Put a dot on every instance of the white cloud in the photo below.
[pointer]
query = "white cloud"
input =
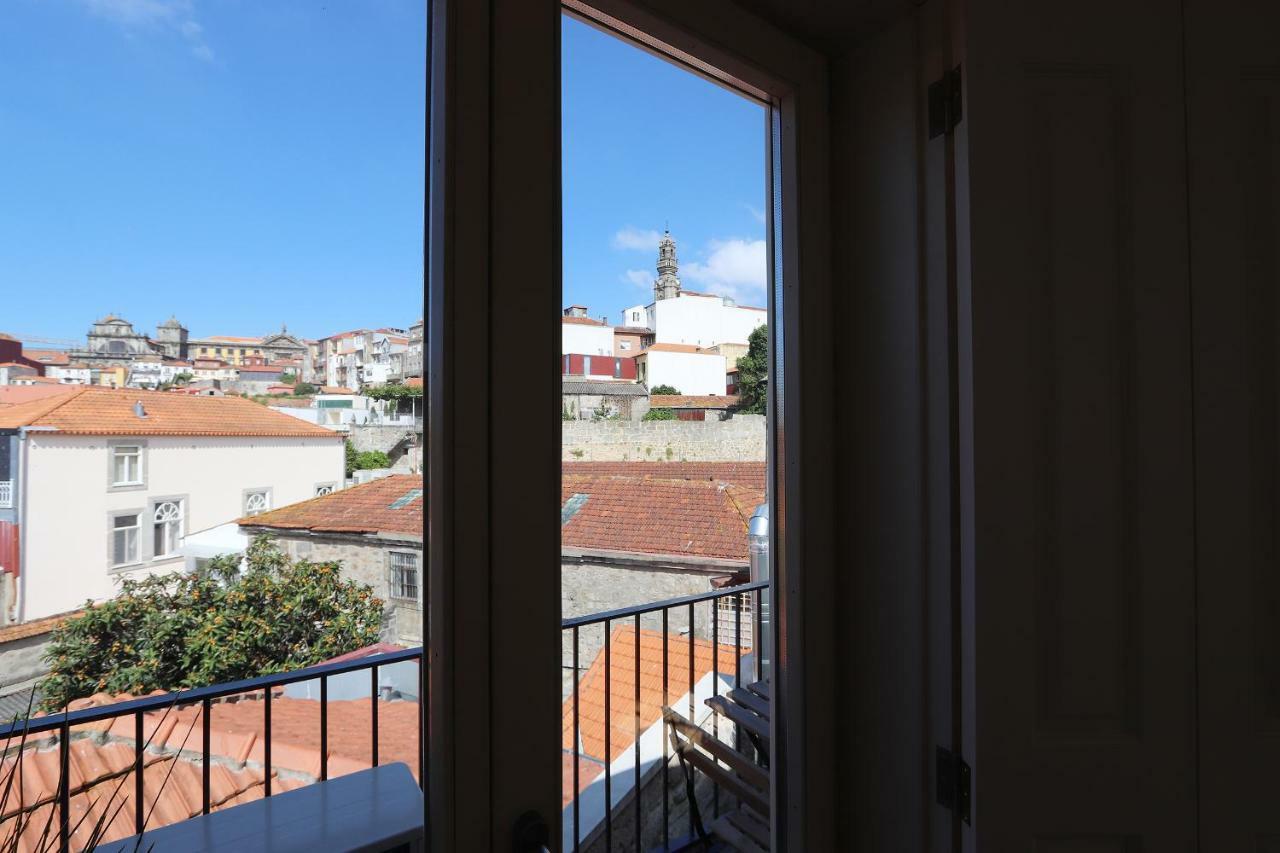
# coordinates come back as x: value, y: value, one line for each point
x: 176, y: 16
x: 642, y: 279
x: 635, y: 239
x: 756, y: 213
x: 735, y: 267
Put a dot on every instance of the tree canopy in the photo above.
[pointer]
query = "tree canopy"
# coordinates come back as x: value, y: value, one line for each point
x: 664, y: 389
x: 393, y: 391
x: 753, y: 373
x: 217, y: 624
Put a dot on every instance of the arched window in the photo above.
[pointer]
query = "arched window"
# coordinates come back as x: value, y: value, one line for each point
x: 116, y: 346
x: 167, y: 529
x: 256, y: 502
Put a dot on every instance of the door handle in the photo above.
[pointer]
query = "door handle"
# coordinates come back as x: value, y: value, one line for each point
x: 531, y: 834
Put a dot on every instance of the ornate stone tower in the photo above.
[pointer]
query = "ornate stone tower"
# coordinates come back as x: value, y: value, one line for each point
x: 667, y: 285
x: 172, y: 337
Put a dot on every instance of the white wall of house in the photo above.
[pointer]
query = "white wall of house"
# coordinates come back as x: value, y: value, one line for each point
x: 70, y: 375
x: 587, y: 340
x: 703, y: 321
x: 70, y: 504
x: 688, y: 372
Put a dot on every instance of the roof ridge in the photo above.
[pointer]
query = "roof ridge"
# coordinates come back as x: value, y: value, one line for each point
x: 56, y: 402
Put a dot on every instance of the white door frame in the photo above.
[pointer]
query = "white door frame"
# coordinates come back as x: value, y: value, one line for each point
x: 493, y: 494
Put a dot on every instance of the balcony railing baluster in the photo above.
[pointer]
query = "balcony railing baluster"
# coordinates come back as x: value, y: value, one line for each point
x: 205, y: 708
x: 373, y: 712
x: 138, y: 791
x: 639, y: 830
x: 266, y: 742
x: 666, y: 700
x: 324, y: 728
x: 577, y: 837
x: 608, y: 750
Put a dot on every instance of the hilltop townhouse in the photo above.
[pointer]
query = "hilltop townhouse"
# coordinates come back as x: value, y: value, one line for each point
x: 374, y: 530
x: 98, y: 484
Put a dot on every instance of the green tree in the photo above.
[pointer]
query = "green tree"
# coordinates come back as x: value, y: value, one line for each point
x: 659, y: 415
x: 220, y: 623
x: 372, y: 459
x: 183, y: 378
x: 393, y: 391
x: 753, y: 372
x: 303, y: 389
x: 664, y: 389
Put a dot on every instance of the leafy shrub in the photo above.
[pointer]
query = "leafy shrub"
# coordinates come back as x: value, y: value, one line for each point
x: 176, y: 631
x: 303, y: 389
x: 659, y: 415
x: 372, y: 459
x: 664, y: 389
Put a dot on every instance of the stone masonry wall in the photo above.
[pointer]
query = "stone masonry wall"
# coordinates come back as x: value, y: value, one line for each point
x: 738, y: 439
x: 589, y: 588
x: 367, y: 563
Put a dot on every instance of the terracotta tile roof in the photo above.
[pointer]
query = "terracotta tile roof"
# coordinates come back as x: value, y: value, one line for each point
x: 749, y: 475
x: 229, y: 339
x: 89, y: 410
x: 34, y: 628
x: 622, y: 686
x: 582, y: 321
x: 11, y: 395
x: 46, y: 356
x: 17, y: 364
x: 388, y: 505
x: 692, y: 401
x: 661, y: 347
x: 632, y: 330
x: 645, y: 515
x: 335, y: 389
x: 414, y: 382
x: 102, y: 755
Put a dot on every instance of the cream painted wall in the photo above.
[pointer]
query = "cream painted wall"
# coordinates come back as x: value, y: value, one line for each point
x: 587, y: 340
x: 689, y: 372
x: 65, y: 559
x: 703, y: 321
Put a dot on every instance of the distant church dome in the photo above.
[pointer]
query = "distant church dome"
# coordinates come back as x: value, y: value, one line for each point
x: 171, y: 323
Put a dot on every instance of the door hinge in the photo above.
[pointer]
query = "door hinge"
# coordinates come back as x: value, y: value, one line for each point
x: 945, y: 104
x: 953, y: 783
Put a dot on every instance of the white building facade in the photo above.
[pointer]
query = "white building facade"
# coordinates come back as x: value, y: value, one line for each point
x: 682, y: 367
x: 97, y: 497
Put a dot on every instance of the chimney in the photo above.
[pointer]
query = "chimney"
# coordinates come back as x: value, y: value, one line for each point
x: 138, y: 411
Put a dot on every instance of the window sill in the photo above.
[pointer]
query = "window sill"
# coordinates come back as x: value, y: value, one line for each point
x: 125, y: 567
x: 126, y: 487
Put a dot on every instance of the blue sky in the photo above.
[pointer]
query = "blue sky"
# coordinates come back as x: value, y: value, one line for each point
x: 242, y: 163
x: 647, y: 143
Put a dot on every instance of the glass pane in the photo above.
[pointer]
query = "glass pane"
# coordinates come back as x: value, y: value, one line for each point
x: 664, y: 453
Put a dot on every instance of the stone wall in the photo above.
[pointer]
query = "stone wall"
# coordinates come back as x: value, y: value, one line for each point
x: 367, y: 563
x: 587, y: 588
x: 738, y: 439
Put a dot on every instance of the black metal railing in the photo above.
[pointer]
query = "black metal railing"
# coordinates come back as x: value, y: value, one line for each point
x: 741, y: 606
x: 62, y: 723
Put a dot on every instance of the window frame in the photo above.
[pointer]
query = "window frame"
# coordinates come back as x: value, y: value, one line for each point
x: 316, y: 489
x: 184, y: 515
x: 392, y: 568
x: 245, y: 494
x: 138, y: 560
x: 113, y: 445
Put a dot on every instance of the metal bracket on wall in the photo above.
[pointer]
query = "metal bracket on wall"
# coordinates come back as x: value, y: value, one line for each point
x: 953, y: 779
x: 945, y: 103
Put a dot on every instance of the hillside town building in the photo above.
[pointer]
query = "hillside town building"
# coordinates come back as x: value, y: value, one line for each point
x: 131, y: 472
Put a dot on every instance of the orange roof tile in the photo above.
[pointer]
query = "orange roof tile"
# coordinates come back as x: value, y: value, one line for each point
x: 645, y: 515
x: 102, y: 756
x: 89, y: 410
x: 662, y: 347
x: 750, y: 475
x: 46, y: 356
x: 11, y: 395
x: 692, y: 401
x: 414, y: 382
x: 232, y: 339
x: 622, y: 686
x: 387, y: 505
x: 582, y: 321
x: 335, y: 389
x: 34, y: 628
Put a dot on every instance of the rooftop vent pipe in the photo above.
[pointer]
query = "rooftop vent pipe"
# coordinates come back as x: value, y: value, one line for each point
x: 138, y: 411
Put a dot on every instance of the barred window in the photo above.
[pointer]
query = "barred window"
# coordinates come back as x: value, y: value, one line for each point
x: 404, y: 575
